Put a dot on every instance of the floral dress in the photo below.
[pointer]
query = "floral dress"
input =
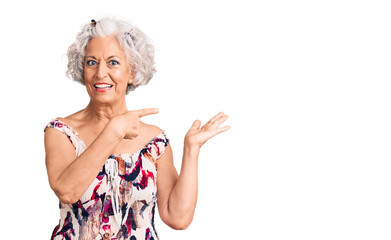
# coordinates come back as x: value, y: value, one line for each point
x: 120, y: 202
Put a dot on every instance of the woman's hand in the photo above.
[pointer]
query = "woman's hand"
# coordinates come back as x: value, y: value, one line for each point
x: 127, y: 125
x: 197, y: 135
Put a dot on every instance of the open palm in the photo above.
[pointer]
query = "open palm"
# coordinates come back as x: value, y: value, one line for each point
x: 198, y: 135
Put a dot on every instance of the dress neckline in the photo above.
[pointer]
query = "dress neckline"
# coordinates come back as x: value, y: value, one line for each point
x: 138, y: 151
x: 115, y: 154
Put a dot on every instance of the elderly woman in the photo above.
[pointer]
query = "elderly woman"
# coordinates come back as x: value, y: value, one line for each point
x: 106, y: 166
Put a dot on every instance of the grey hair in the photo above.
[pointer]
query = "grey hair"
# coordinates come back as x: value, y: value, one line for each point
x: 137, y: 47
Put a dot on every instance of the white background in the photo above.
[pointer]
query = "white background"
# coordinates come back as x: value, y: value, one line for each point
x: 306, y: 85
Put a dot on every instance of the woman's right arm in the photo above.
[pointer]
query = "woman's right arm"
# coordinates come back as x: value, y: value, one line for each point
x: 70, y: 176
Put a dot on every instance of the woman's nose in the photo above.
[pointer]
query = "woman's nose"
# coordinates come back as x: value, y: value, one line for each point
x: 101, y: 71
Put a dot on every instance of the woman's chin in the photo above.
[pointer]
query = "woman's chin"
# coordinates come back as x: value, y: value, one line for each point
x: 104, y: 96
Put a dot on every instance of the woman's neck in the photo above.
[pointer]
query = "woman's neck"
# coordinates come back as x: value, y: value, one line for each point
x: 104, y: 112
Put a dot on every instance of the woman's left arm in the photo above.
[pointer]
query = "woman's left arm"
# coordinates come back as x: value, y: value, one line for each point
x: 177, y: 195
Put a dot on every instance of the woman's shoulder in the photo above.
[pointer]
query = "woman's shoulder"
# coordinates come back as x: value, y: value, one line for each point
x: 63, y: 124
x: 74, y: 120
x: 55, y: 131
x: 151, y: 130
x: 154, y: 133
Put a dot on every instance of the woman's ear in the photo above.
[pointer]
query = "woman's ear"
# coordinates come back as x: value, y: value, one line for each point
x: 131, y: 75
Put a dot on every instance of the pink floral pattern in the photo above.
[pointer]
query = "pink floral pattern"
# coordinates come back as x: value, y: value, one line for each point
x: 120, y: 202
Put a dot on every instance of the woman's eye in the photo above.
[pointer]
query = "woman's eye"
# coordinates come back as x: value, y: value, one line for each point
x: 114, y: 62
x: 91, y: 63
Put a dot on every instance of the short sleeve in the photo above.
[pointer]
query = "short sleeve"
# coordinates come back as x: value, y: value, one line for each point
x: 69, y: 132
x: 158, y: 145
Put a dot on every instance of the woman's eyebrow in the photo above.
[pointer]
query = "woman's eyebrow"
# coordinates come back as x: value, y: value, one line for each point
x: 114, y: 56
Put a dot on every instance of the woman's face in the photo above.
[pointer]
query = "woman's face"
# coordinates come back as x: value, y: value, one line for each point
x: 106, y: 71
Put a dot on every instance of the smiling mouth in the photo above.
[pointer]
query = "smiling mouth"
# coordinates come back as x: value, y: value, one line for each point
x: 103, y: 86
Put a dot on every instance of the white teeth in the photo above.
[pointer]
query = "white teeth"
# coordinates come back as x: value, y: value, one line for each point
x: 103, y: 85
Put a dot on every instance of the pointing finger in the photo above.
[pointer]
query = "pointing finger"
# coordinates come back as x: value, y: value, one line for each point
x: 147, y: 111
